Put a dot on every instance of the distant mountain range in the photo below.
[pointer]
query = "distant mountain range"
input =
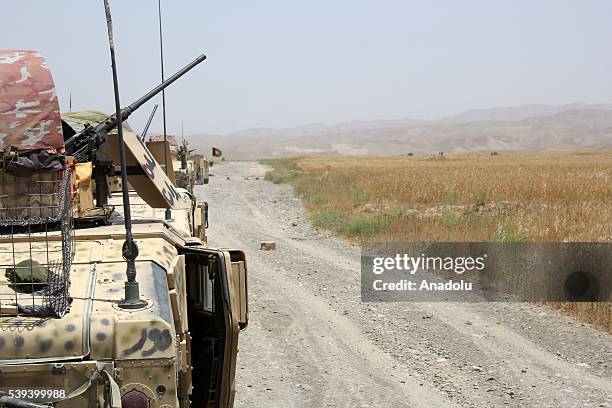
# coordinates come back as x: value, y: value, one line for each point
x: 516, y: 128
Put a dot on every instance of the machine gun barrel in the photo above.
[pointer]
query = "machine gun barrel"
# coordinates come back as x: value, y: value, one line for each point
x: 77, y: 144
x: 135, y: 105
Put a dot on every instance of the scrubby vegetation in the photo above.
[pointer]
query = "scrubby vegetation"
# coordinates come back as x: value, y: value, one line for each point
x: 551, y: 197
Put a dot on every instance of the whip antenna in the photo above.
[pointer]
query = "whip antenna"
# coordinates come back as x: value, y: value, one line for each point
x: 130, y: 249
x: 146, y: 128
x: 168, y: 214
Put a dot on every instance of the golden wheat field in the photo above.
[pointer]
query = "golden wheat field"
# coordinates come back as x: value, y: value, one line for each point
x: 529, y: 197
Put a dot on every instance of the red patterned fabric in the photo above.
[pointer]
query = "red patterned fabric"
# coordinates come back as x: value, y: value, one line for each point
x: 29, y: 109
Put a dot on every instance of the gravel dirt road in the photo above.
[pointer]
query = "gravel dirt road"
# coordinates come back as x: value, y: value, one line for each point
x: 311, y: 342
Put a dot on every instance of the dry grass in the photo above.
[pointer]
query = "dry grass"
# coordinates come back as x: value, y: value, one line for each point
x: 543, y: 197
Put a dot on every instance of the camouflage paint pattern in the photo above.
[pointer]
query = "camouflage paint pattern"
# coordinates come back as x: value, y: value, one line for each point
x: 77, y: 120
x: 145, y: 350
x: 154, y: 187
x: 29, y: 109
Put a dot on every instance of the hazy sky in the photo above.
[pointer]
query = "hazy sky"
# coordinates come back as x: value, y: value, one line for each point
x: 283, y: 63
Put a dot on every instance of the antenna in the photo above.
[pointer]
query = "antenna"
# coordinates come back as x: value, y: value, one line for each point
x: 168, y: 213
x: 70, y: 103
x: 146, y: 128
x: 183, y: 147
x: 130, y: 249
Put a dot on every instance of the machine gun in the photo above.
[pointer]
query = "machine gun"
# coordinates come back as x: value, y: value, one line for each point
x: 84, y: 144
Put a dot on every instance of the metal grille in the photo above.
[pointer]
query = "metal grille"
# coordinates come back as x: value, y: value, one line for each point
x: 36, y: 243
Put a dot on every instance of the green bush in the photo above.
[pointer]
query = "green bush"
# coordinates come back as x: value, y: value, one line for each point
x: 283, y: 170
x: 328, y: 218
x: 359, y: 196
x: 279, y: 179
x: 291, y: 174
x: 452, y: 195
x: 449, y: 217
x: 366, y: 226
x: 316, y: 199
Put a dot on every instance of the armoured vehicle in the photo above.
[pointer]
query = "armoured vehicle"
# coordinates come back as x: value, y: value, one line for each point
x: 189, y: 169
x: 200, y: 165
x: 81, y: 326
x: 195, y: 164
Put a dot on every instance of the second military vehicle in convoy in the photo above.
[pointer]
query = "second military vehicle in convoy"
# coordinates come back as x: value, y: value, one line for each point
x: 189, y: 169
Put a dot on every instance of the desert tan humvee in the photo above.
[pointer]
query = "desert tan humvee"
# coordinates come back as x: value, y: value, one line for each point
x: 67, y: 339
x: 188, y: 169
x: 201, y: 169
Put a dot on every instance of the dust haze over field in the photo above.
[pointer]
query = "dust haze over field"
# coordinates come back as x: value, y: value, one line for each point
x: 519, y: 128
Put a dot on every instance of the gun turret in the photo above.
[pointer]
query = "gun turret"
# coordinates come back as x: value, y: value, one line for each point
x: 183, y: 153
x: 84, y: 144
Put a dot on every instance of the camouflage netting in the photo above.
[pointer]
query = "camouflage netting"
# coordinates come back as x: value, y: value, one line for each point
x: 77, y: 120
x: 31, y: 138
x: 29, y: 110
x: 36, y: 231
x: 171, y: 141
